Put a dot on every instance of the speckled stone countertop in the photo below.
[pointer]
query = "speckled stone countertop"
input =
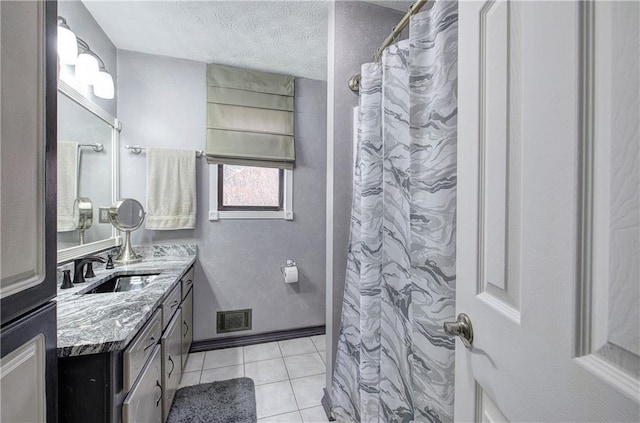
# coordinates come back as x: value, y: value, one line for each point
x: 96, y: 323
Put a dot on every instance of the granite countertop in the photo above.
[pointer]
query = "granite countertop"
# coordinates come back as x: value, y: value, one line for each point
x: 97, y: 323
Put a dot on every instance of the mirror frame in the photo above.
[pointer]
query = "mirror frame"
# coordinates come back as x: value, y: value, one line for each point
x: 115, y: 240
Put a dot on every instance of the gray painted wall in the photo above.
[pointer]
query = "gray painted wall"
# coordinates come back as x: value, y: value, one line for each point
x: 162, y: 103
x: 84, y: 26
x: 356, y: 30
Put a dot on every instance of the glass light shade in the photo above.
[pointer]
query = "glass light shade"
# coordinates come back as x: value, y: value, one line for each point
x: 67, y: 46
x: 87, y: 68
x: 103, y: 85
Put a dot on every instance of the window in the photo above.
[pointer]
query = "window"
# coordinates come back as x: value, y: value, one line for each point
x: 250, y: 138
x: 248, y: 192
x: 249, y: 188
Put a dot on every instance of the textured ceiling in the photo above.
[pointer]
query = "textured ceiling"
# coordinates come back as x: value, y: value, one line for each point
x: 288, y: 37
x: 400, y: 5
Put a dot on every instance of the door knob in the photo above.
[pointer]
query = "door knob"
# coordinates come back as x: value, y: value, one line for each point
x: 462, y: 328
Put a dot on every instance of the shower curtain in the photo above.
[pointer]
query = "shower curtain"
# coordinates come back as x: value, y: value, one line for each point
x: 394, y: 362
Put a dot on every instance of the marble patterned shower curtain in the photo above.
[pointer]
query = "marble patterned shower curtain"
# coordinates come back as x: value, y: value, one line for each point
x: 394, y: 362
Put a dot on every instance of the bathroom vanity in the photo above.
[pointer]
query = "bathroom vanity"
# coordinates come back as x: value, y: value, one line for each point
x: 121, y: 354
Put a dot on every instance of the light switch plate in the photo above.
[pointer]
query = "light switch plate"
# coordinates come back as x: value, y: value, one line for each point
x: 104, y: 215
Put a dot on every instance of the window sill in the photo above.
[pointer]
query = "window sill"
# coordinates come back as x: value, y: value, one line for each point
x: 250, y: 214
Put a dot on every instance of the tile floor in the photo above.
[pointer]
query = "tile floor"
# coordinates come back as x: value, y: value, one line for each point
x: 289, y: 376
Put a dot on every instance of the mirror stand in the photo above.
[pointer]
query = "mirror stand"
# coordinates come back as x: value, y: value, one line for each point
x: 82, y: 215
x: 127, y: 255
x: 127, y: 215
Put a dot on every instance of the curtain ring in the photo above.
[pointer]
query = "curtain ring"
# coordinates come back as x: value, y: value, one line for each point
x: 354, y: 83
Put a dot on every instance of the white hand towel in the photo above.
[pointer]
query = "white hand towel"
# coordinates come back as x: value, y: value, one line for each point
x: 171, y: 189
x: 67, y: 184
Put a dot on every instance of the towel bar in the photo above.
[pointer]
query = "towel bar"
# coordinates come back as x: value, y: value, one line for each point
x: 137, y: 149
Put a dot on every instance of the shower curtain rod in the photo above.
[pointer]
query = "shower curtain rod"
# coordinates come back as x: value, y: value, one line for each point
x: 354, y: 81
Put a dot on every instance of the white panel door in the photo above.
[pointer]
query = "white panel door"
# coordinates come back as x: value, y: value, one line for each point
x: 23, y: 146
x: 22, y: 383
x: 548, y: 211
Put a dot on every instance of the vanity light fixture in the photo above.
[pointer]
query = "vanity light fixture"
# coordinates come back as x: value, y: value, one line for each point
x: 103, y: 84
x: 67, y: 43
x: 89, y: 67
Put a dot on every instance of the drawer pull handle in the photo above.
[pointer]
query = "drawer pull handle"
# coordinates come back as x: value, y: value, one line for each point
x: 189, y: 282
x: 187, y: 329
x: 159, y: 399
x: 175, y: 303
x: 173, y: 366
x: 153, y: 342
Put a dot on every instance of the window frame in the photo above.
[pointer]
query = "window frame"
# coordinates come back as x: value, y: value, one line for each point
x: 249, y: 212
x: 223, y: 207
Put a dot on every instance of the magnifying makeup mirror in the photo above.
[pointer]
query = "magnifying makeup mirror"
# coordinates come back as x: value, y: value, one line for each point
x: 82, y: 215
x: 127, y: 215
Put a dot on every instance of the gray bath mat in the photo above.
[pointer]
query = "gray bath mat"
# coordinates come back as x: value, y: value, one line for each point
x: 227, y: 401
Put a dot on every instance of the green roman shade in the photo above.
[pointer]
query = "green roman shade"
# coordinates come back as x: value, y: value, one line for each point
x: 249, y: 118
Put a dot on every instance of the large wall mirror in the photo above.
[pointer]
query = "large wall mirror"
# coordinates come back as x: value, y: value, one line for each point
x: 88, y: 139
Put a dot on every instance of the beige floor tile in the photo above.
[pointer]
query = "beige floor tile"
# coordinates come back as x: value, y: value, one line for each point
x: 320, y: 341
x: 223, y: 358
x: 194, y: 362
x: 189, y: 378
x: 314, y: 415
x: 304, y: 365
x: 308, y: 390
x: 293, y: 417
x: 275, y: 398
x: 297, y: 346
x: 260, y: 352
x: 266, y: 371
x: 222, y: 373
x: 289, y: 376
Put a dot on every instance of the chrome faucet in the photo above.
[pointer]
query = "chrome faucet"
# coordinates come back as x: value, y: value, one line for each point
x: 79, y: 264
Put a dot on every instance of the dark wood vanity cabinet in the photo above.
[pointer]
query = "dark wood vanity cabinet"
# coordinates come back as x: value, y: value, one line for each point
x: 90, y: 388
x: 137, y: 384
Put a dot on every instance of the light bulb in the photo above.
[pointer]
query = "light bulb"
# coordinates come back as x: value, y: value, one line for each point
x: 87, y: 68
x: 67, y: 46
x: 103, y: 85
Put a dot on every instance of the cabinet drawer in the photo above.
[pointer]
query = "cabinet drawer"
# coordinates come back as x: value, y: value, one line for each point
x: 171, y: 361
x: 144, y: 402
x: 137, y: 353
x: 187, y: 326
x: 170, y: 305
x: 187, y: 283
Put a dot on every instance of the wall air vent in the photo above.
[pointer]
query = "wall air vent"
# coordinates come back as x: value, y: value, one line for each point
x: 233, y: 320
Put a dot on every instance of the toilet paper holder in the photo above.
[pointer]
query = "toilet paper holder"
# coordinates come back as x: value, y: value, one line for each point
x: 290, y: 272
x: 288, y: 264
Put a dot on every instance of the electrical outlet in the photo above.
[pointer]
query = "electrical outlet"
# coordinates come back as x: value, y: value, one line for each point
x: 104, y: 215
